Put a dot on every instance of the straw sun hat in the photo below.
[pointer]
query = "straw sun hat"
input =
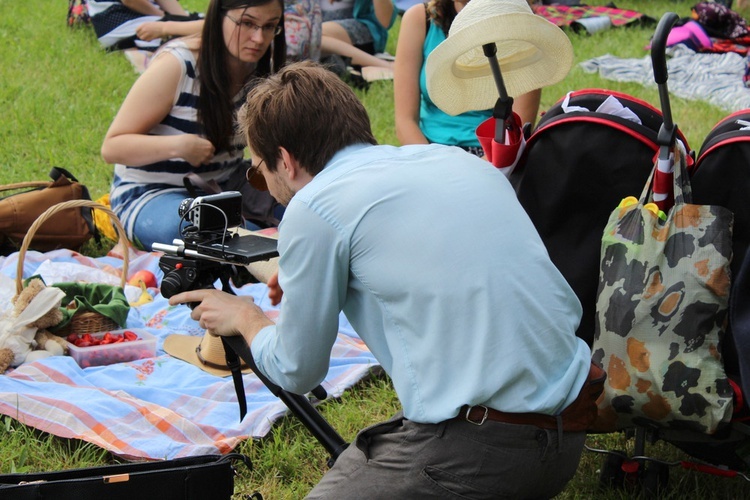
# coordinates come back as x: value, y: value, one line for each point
x: 206, y: 352
x: 531, y: 51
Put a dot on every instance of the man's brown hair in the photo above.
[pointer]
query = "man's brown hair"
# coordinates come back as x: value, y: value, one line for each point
x: 307, y: 110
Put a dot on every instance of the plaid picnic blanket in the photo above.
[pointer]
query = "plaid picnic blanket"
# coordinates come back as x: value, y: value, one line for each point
x: 155, y: 408
x: 564, y: 15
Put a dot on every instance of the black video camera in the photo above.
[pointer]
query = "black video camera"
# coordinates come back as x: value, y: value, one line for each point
x: 211, y: 246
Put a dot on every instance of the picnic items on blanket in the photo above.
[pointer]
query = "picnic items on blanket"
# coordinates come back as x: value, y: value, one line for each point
x: 196, y: 411
x: 23, y: 328
x: 106, y: 348
x: 192, y: 478
x: 92, y: 308
x: 88, y: 307
x: 206, y: 352
x: 20, y: 209
x: 662, y: 301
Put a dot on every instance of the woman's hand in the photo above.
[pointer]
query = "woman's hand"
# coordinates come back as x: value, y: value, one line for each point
x: 195, y: 150
x: 150, y: 31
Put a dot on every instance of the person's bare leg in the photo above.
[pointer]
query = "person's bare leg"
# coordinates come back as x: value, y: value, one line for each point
x: 336, y: 40
x: 330, y: 45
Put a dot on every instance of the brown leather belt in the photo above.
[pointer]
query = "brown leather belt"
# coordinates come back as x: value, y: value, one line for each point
x: 479, y: 414
x: 579, y: 416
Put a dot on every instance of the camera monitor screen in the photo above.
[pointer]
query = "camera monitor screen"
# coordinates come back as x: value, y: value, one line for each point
x: 240, y: 249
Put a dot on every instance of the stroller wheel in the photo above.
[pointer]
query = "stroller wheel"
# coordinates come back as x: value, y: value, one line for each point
x: 654, y: 480
x: 612, y: 476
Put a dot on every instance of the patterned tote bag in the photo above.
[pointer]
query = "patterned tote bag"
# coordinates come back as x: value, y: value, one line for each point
x: 661, y: 309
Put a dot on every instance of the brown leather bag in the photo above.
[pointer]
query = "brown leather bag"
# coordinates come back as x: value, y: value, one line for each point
x: 19, y: 210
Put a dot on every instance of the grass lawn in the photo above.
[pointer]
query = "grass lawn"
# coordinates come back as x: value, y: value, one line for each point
x: 58, y: 94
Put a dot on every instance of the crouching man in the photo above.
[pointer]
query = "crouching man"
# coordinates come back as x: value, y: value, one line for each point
x: 436, y: 265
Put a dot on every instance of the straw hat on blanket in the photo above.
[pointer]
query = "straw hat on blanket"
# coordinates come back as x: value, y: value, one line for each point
x: 206, y: 352
x: 531, y: 51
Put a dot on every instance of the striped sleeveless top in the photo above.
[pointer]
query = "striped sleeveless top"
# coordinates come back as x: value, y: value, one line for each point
x: 132, y: 187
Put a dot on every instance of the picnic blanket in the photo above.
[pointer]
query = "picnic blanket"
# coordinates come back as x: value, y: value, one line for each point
x: 565, y: 15
x: 155, y: 408
x: 715, y: 78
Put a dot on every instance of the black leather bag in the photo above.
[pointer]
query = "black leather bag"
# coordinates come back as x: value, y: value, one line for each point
x: 193, y: 478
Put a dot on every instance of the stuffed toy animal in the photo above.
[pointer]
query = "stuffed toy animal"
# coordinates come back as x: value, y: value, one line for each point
x: 22, y: 330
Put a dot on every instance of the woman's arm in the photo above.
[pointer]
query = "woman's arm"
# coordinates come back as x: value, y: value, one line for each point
x: 384, y: 12
x: 526, y: 106
x: 406, y: 73
x: 164, y: 29
x: 172, y: 7
x: 150, y: 99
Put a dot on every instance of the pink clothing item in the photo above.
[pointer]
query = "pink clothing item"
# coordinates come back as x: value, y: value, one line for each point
x: 691, y: 34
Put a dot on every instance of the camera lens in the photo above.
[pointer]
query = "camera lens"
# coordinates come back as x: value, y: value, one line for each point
x: 185, y: 207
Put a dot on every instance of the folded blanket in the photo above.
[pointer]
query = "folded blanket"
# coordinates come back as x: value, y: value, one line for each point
x: 153, y: 408
x: 714, y: 78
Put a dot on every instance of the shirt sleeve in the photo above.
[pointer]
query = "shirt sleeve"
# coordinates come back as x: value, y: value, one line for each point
x: 313, y: 273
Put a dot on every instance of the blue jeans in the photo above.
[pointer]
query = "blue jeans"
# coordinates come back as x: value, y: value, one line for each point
x: 454, y: 459
x: 159, y: 220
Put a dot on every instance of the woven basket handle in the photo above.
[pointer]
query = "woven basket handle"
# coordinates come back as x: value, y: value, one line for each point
x: 64, y: 206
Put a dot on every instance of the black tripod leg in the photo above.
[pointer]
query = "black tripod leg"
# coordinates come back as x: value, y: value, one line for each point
x: 302, y: 408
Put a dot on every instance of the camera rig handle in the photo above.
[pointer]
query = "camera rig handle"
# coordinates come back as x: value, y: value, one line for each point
x: 184, y: 273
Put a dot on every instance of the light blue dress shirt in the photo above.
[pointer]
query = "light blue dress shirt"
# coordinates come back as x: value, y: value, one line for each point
x: 440, y: 271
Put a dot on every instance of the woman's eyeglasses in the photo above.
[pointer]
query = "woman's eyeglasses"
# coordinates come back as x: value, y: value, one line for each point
x: 249, y: 26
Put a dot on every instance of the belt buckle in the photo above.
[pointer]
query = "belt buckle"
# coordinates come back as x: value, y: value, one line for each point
x: 484, y: 417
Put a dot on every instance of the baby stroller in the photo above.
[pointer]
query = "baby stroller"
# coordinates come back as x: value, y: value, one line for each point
x: 569, y: 192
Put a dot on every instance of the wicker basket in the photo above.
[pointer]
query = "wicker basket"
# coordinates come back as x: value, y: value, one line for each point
x: 86, y: 321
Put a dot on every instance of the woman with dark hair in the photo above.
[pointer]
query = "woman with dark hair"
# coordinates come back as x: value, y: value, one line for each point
x: 418, y: 119
x: 178, y: 121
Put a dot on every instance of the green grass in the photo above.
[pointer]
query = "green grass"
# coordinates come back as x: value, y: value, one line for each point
x: 58, y: 93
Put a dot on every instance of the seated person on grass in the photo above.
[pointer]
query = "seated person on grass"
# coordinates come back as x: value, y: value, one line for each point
x: 116, y: 21
x: 357, y: 30
x: 418, y: 119
x: 474, y: 324
x: 302, y: 26
x: 179, y: 119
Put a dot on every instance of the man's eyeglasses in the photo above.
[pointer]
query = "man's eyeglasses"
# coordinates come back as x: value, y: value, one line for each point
x: 255, y: 178
x: 249, y: 26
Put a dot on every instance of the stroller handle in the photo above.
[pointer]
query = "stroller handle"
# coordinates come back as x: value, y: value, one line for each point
x: 659, y: 46
x: 666, y: 135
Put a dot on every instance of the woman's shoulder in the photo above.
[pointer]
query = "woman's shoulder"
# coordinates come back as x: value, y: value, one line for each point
x: 415, y: 18
x: 184, y: 48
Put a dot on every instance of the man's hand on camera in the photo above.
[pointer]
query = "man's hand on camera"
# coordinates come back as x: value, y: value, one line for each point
x: 224, y: 314
x: 274, y: 290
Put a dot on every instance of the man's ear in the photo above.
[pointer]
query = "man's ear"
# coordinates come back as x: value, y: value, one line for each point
x: 291, y: 165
